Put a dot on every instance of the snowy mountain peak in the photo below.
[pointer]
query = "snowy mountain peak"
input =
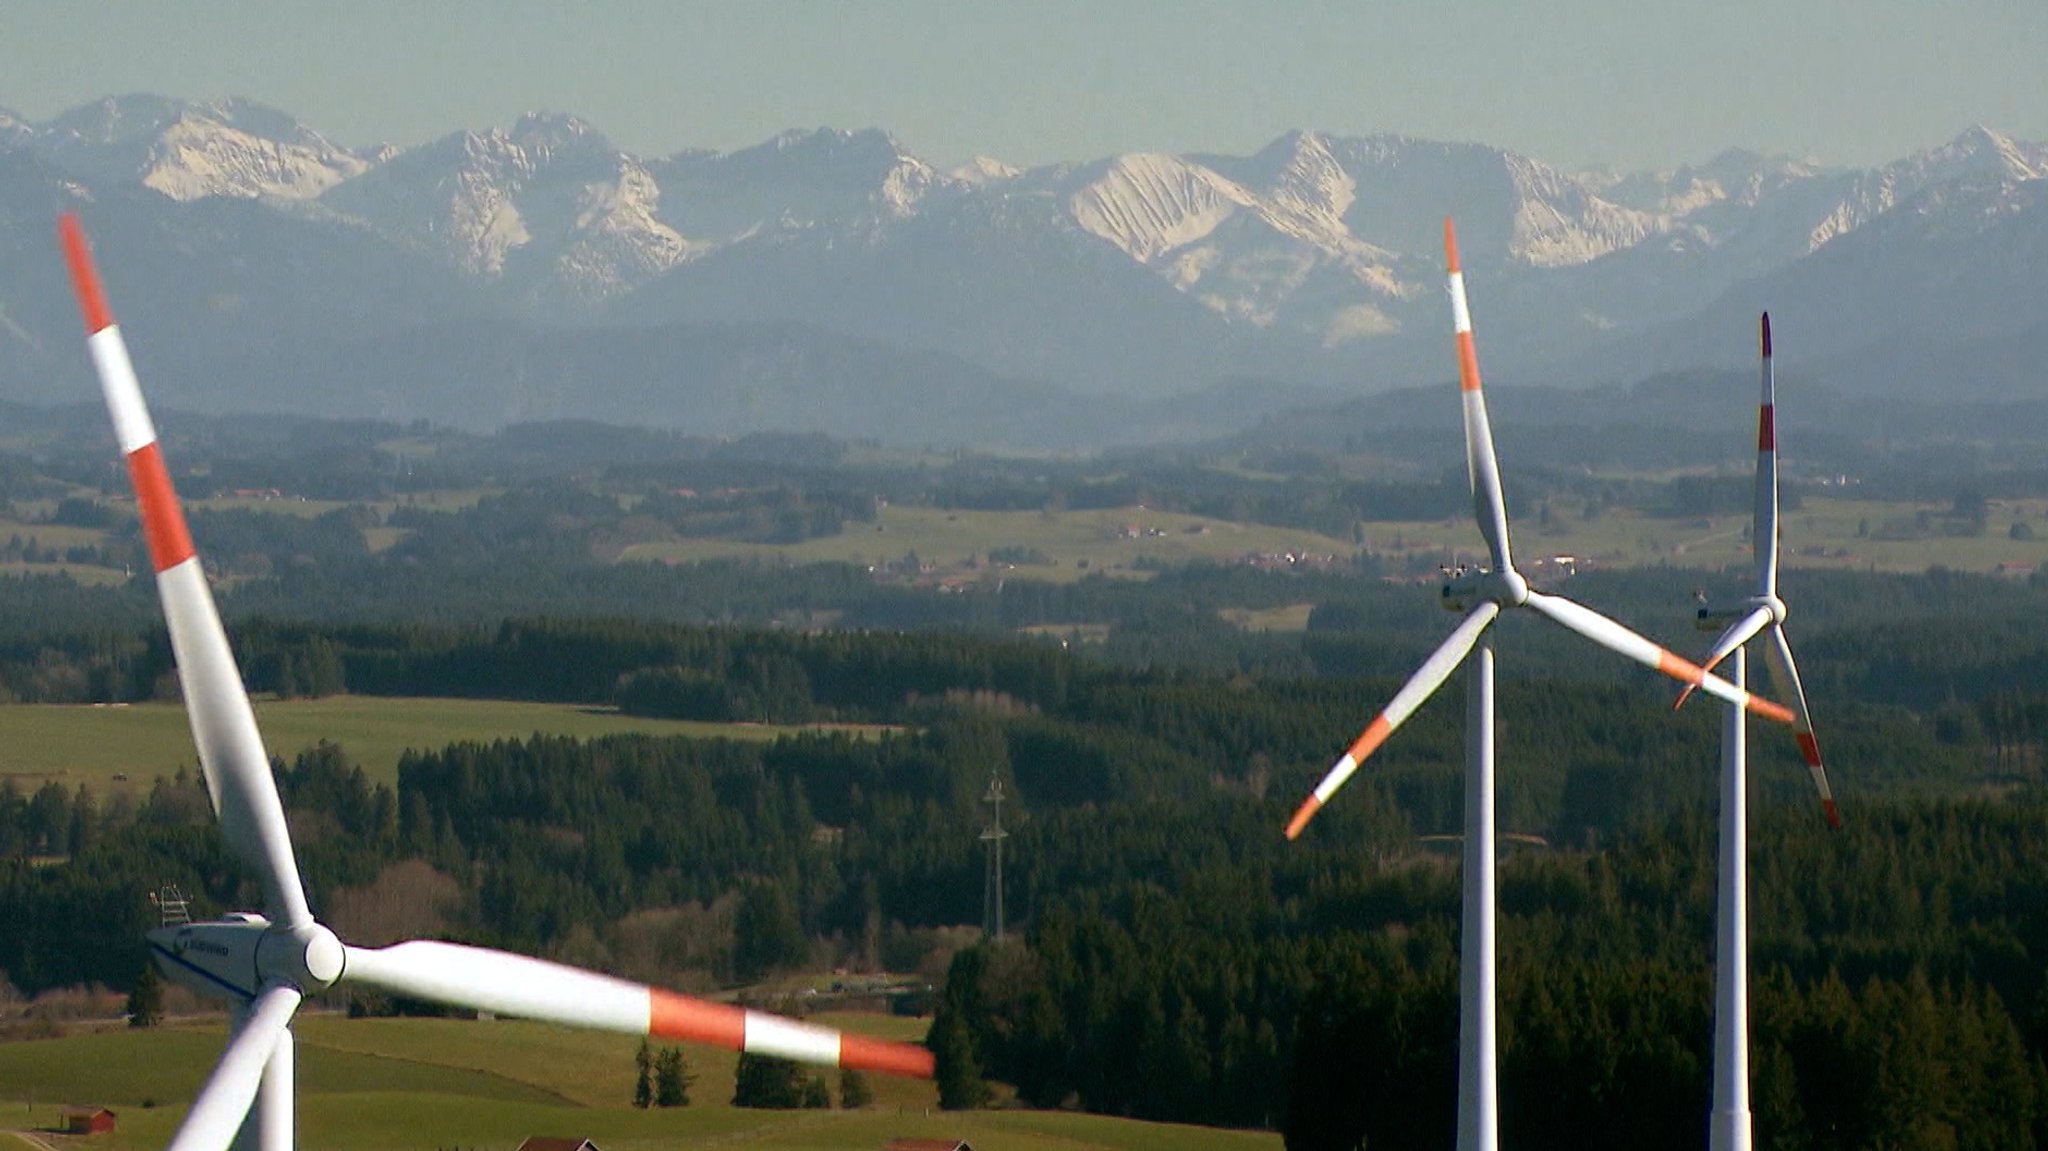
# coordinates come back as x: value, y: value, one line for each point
x: 1150, y: 203
x: 802, y: 177
x: 1309, y: 182
x: 1979, y: 151
x: 547, y: 133
x: 1978, y: 161
x: 837, y: 145
x: 547, y: 208
x: 189, y: 151
x: 984, y: 170
x: 14, y: 131
x: 116, y: 119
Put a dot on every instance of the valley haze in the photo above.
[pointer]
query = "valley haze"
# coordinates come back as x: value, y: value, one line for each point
x: 831, y: 280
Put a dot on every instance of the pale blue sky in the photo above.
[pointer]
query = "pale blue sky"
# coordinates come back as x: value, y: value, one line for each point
x: 1573, y: 82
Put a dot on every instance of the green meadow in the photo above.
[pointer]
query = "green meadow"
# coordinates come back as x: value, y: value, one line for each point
x: 1822, y: 533
x: 1117, y: 541
x: 435, y: 1083
x: 75, y: 744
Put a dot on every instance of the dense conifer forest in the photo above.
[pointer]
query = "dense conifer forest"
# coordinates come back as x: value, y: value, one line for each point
x: 1172, y: 957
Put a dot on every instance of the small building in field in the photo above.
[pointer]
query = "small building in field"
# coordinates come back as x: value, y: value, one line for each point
x: 88, y: 1121
x: 544, y: 1143
x: 913, y: 1144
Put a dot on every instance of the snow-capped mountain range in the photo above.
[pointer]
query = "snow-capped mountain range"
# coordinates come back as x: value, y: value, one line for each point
x: 1315, y: 261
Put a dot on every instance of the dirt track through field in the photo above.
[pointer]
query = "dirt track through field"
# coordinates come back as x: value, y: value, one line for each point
x: 34, y: 1139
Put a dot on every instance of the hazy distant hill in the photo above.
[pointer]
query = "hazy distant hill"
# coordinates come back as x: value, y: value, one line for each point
x: 827, y: 275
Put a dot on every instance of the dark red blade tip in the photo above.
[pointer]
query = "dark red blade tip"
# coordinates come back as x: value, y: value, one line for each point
x: 78, y: 254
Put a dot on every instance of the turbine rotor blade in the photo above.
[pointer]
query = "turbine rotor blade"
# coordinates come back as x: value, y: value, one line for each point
x: 1619, y: 639
x: 224, y: 1102
x: 1738, y: 633
x: 1481, y: 466
x: 1420, y: 686
x: 1785, y: 673
x: 503, y: 983
x: 231, y: 753
x: 1764, y: 529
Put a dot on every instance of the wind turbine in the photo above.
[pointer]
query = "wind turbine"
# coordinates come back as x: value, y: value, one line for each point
x: 1730, y: 1127
x: 265, y: 964
x: 1764, y: 611
x: 1482, y: 594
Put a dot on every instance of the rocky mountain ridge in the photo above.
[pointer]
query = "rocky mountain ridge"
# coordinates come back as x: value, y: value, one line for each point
x: 1314, y: 262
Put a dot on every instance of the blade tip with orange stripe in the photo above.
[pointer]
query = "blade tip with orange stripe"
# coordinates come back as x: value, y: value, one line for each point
x: 1302, y: 815
x: 1775, y: 712
x: 85, y: 279
x: 673, y: 1016
x: 862, y: 1053
x: 163, y: 518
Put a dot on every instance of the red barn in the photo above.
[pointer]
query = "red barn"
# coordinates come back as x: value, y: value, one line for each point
x: 88, y: 1121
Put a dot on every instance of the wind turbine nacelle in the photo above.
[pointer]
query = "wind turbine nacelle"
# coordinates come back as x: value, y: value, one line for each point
x: 236, y: 957
x: 1719, y: 619
x: 1464, y: 588
x: 217, y: 960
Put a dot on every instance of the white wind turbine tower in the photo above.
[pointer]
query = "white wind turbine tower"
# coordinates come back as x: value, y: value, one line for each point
x: 1482, y: 594
x: 265, y: 964
x: 1730, y: 1125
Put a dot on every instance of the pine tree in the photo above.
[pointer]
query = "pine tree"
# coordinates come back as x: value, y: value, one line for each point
x: 671, y: 1079
x: 84, y: 821
x: 643, y: 1087
x: 766, y: 1081
x: 961, y: 1087
x: 146, y: 1002
x: 766, y: 932
x: 854, y: 1090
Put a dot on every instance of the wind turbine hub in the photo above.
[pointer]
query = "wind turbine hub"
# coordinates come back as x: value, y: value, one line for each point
x: 1466, y: 588
x: 322, y: 957
x: 308, y: 957
x: 1510, y: 589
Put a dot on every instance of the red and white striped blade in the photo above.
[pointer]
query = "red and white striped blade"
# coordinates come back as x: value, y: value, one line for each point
x: 1738, y: 633
x: 1764, y: 527
x: 1481, y: 466
x: 1420, y: 686
x: 231, y: 752
x: 1785, y: 673
x: 224, y: 1101
x: 506, y: 984
x: 1617, y: 638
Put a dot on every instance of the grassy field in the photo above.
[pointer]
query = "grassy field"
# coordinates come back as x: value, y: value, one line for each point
x: 92, y: 575
x: 92, y: 744
x: 1826, y: 533
x: 1076, y: 543
x: 1293, y: 617
x: 417, y: 1083
x: 1822, y: 533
